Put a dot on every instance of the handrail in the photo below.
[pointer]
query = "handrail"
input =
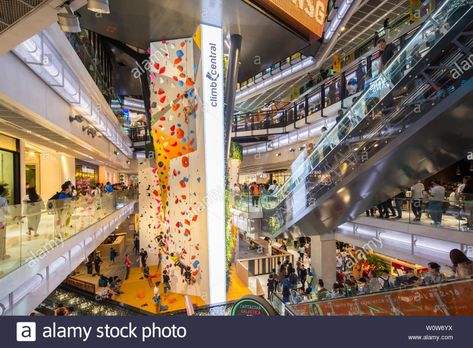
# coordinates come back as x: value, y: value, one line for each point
x: 40, y: 227
x: 283, y: 117
x: 368, y: 105
x: 252, y: 80
x: 447, y: 298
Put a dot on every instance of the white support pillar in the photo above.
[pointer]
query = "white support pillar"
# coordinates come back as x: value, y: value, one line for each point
x: 323, y: 258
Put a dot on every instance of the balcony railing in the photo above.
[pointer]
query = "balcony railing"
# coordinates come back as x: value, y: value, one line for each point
x: 30, y: 230
x: 444, y: 299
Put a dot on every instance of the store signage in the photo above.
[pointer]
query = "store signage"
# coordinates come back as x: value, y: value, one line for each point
x: 306, y: 16
x: 211, y: 45
x: 252, y: 306
x: 87, y: 170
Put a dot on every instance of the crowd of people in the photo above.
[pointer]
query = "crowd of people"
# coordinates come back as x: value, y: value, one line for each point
x: 436, y: 200
x: 255, y: 190
x: 357, y: 277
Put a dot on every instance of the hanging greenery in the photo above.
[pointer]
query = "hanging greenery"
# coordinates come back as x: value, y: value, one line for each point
x: 236, y: 151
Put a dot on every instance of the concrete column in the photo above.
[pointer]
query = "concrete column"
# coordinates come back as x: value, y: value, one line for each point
x: 323, y: 258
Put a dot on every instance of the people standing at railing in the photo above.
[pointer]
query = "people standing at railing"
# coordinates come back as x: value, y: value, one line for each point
x: 32, y: 211
x: 4, y: 210
x: 255, y: 194
x: 462, y: 266
x: 437, y: 197
x: 399, y: 200
x: 108, y: 187
x: 385, y: 280
x: 433, y: 275
x: 467, y: 198
x: 417, y: 196
x: 273, y: 187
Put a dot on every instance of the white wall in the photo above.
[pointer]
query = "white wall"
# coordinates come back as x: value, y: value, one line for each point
x: 22, y: 88
x: 54, y: 171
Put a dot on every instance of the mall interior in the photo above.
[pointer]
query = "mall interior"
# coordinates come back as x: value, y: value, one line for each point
x: 236, y: 157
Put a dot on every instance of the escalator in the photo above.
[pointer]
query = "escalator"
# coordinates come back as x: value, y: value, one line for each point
x: 414, y: 119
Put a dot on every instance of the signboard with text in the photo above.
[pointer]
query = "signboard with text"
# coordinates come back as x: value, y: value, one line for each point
x: 306, y: 16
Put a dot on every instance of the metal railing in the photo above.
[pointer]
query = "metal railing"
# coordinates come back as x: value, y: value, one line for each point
x: 449, y: 298
x: 384, y: 110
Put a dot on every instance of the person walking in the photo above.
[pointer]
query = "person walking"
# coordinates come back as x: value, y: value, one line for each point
x: 34, y: 205
x: 4, y: 210
x: 303, y: 276
x: 97, y: 263
x: 127, y: 263
x: 437, y: 197
x: 417, y: 195
x: 293, y: 280
x: 255, y: 194
x: 113, y: 255
x: 467, y: 198
x: 399, y: 199
x: 271, y: 285
x: 302, y: 252
x: 108, y: 187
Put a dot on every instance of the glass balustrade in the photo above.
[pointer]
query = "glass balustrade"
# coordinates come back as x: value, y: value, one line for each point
x: 386, y: 108
x: 31, y: 230
x: 452, y: 297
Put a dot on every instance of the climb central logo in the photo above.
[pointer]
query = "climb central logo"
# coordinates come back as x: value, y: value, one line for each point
x: 213, y: 75
x: 26, y: 332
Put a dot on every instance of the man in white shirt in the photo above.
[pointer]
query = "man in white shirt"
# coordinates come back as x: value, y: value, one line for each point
x: 417, y: 194
x: 437, y: 196
x: 273, y: 187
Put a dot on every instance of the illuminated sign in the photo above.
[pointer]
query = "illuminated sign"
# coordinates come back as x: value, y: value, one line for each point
x: 252, y: 306
x: 306, y: 16
x: 211, y: 43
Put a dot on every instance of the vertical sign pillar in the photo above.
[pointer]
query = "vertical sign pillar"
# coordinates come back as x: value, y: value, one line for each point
x: 212, y: 100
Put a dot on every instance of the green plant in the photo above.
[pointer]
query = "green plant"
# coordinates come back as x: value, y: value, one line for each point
x: 376, y: 262
x: 236, y: 151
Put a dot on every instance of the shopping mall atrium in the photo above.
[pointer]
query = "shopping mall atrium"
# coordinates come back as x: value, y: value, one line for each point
x: 236, y: 157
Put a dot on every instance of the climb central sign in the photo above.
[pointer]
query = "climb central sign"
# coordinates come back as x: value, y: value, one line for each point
x: 306, y: 16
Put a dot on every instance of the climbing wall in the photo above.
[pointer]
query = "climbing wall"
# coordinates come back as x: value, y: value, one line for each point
x: 175, y: 221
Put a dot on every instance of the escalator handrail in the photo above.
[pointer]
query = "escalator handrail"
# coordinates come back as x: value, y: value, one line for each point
x: 331, y: 138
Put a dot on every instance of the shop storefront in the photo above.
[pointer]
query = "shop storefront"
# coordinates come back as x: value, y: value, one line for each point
x: 9, y: 168
x: 87, y: 174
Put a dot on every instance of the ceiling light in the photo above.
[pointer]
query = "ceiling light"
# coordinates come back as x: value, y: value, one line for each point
x: 69, y: 22
x: 98, y: 6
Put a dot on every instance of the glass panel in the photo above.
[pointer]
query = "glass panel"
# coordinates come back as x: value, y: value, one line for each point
x: 29, y: 230
x: 373, y: 111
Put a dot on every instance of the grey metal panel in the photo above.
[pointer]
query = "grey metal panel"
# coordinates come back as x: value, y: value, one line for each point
x: 421, y: 151
x: 140, y: 22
